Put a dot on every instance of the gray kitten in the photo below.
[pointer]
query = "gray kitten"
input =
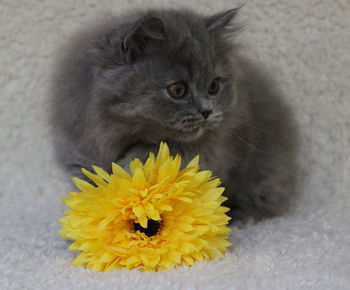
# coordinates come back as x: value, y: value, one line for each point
x: 175, y: 76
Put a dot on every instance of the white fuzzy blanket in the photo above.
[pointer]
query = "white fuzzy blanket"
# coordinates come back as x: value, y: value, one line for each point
x: 304, y: 43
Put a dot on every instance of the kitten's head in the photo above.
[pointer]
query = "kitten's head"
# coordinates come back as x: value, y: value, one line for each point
x: 167, y: 72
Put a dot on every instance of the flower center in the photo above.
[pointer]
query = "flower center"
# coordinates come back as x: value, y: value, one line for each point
x: 151, y: 230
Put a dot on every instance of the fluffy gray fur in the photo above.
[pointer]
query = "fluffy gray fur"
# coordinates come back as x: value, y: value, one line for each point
x: 110, y: 103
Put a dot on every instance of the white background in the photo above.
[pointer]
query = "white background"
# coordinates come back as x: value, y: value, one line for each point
x: 306, y: 46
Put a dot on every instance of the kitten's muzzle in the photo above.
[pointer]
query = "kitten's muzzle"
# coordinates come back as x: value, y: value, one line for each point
x: 204, y: 106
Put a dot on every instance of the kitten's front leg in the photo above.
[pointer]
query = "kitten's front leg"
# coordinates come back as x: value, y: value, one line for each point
x: 139, y: 150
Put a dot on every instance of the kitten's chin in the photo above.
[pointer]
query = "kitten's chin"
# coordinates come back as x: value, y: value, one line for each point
x: 191, y: 136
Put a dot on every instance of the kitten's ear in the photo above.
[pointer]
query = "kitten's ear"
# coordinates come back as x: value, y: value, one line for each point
x: 148, y: 32
x: 221, y: 20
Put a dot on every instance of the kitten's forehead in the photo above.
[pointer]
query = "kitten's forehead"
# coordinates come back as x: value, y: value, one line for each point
x: 199, y: 58
x: 191, y: 45
x: 191, y: 53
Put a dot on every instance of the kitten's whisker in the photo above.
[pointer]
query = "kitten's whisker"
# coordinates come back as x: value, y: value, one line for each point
x: 255, y: 127
x: 246, y: 142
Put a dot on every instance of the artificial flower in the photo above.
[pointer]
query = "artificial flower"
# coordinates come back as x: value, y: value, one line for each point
x: 156, y: 217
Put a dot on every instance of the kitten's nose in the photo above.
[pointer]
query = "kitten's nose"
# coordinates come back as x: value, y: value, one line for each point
x: 206, y: 113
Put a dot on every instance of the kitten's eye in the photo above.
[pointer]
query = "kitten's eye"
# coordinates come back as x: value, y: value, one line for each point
x: 177, y: 90
x: 214, y: 86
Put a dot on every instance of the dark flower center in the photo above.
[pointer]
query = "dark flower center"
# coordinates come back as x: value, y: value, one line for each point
x: 151, y: 230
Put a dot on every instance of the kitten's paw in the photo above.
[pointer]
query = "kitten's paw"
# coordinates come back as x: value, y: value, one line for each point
x: 241, y: 218
x: 243, y: 222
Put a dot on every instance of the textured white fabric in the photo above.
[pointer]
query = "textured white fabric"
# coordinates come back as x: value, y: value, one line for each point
x: 306, y: 46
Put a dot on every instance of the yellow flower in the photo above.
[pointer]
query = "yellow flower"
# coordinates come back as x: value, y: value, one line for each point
x: 157, y: 217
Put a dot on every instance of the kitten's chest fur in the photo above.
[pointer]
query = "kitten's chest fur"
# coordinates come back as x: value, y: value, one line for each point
x: 214, y: 152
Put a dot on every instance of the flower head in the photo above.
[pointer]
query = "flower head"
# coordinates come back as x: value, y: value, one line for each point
x: 157, y: 217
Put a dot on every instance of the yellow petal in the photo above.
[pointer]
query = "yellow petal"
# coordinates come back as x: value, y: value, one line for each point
x: 107, y: 257
x: 119, y: 171
x: 98, y: 267
x: 103, y: 224
x: 188, y: 260
x: 150, y: 165
x: 131, y: 260
x: 213, y: 194
x: 163, y: 153
x: 139, y: 211
x: 198, y: 256
x: 101, y: 172
x: 74, y: 246
x: 165, y: 207
x: 185, y: 227
x: 144, y: 192
x: 200, y: 177
x: 81, y: 259
x: 138, y: 178
x: 143, y: 221
x: 82, y: 184
x: 175, y: 256
x: 194, y: 162
x: 186, y: 247
x: 135, y: 164
x: 150, y: 210
x: 153, y: 260
x: 185, y: 199
x: 95, y: 178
